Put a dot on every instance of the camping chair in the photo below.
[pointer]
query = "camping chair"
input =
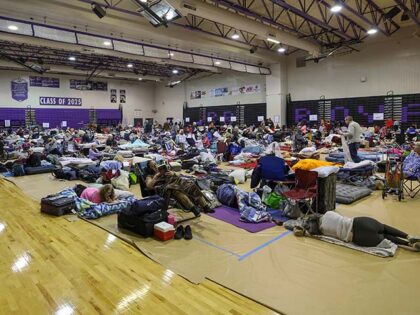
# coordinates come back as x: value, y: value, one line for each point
x: 306, y: 189
x: 411, y: 185
x: 272, y: 169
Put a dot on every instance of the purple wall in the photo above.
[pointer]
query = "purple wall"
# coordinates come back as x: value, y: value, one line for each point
x: 75, y: 118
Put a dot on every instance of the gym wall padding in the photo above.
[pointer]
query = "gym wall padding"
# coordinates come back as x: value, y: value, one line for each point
x: 404, y: 108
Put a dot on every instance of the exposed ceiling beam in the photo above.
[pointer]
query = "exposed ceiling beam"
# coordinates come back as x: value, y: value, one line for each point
x: 411, y: 14
x: 243, y: 23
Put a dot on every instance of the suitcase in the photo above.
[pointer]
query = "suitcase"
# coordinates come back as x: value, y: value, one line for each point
x: 57, y: 205
x: 143, y: 225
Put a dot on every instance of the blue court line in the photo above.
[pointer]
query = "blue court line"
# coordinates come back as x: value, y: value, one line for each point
x: 251, y: 252
x: 216, y: 246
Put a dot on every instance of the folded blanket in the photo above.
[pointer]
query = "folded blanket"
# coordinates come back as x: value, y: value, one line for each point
x: 384, y: 249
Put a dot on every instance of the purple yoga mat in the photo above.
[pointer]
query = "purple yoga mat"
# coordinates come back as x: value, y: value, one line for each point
x: 232, y: 216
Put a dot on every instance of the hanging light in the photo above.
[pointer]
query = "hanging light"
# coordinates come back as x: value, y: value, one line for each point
x: 235, y: 36
x: 72, y: 58
x: 13, y: 27
x: 372, y: 31
x: 281, y: 50
x: 175, y: 71
x: 130, y: 65
x: 107, y: 43
x: 336, y: 8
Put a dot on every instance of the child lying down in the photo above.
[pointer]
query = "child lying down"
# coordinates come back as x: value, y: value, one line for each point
x: 361, y: 231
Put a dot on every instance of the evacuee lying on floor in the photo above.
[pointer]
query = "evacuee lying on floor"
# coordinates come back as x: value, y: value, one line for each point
x: 98, y: 195
x: 362, y: 231
x: 183, y: 190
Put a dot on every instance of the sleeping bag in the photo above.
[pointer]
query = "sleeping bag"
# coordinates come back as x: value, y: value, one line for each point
x: 226, y: 195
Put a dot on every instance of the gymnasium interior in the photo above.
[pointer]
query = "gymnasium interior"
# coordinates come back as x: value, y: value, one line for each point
x: 210, y: 157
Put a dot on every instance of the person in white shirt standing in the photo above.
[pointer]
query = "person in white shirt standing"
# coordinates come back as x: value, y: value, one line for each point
x: 353, y: 135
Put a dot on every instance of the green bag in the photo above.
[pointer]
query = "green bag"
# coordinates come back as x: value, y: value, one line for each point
x: 274, y: 200
x: 133, y: 178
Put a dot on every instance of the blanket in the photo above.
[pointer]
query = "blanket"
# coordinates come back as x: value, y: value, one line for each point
x: 136, y: 144
x: 384, y: 249
x: 90, y: 210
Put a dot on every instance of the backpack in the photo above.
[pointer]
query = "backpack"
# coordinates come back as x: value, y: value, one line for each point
x: 18, y: 170
x: 226, y: 195
x: 211, y: 197
x: 146, y: 205
x: 65, y: 173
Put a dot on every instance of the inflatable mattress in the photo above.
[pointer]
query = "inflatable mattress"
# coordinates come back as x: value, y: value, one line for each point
x: 40, y: 169
x: 348, y: 194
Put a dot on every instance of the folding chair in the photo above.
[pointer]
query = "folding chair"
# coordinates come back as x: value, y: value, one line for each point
x: 306, y: 189
x: 411, y: 185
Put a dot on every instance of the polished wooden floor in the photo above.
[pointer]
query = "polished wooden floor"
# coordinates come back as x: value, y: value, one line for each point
x: 57, y: 266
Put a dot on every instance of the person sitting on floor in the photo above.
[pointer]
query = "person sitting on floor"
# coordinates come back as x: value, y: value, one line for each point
x: 94, y: 153
x: 98, y: 195
x: 183, y: 190
x: 411, y: 165
x: 34, y: 159
x: 362, y: 231
x: 51, y: 147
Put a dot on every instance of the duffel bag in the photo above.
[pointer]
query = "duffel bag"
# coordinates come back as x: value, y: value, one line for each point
x: 147, y: 205
x: 57, y: 205
x: 142, y: 225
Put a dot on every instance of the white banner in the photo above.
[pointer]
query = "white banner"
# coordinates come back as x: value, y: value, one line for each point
x: 378, y: 116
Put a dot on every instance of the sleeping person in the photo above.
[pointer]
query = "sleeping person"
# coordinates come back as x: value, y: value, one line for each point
x: 362, y: 231
x: 98, y: 195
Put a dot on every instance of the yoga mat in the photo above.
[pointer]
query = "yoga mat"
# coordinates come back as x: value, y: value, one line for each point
x: 232, y: 216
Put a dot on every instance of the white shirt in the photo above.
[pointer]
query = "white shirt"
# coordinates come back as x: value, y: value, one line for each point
x: 337, y: 226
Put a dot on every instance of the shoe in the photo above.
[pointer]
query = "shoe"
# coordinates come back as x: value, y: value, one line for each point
x: 413, y: 239
x: 188, y: 233
x: 179, y: 232
x: 416, y: 246
x: 196, y: 211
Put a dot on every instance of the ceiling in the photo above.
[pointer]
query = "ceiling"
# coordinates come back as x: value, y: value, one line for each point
x: 206, y: 28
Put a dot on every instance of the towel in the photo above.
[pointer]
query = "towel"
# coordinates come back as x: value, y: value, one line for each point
x: 384, y: 249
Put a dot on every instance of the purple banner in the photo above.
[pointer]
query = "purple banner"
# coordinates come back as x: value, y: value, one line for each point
x: 60, y: 101
x: 44, y: 82
x: 19, y: 89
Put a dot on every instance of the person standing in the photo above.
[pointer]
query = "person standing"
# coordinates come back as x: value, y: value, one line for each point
x: 352, y: 135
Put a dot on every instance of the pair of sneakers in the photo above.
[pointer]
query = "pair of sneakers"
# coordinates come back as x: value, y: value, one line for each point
x: 182, y: 232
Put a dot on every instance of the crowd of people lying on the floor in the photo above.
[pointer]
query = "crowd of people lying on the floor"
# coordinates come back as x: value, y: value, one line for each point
x: 113, y: 158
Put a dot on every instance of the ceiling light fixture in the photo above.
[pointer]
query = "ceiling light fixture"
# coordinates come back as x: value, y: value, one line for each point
x: 235, y: 36
x: 72, y: 58
x: 175, y: 71
x: 171, y: 54
x: 107, y: 43
x: 140, y: 79
x: 217, y: 63
x: 130, y: 65
x: 336, y: 8
x: 281, y: 50
x: 275, y: 41
x: 13, y: 27
x: 144, y: 1
x: 372, y: 31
